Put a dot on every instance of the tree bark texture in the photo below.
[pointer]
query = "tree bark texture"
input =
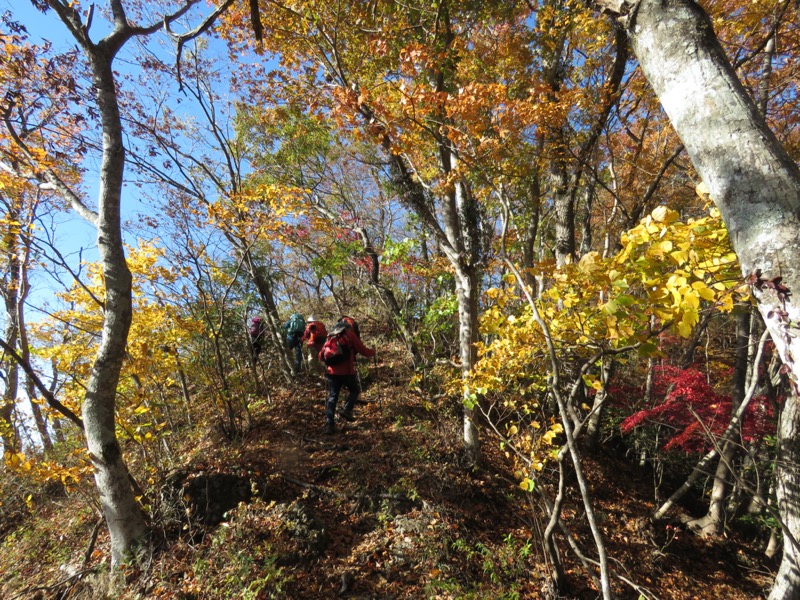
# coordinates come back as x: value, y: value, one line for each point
x: 750, y: 177
x: 11, y: 301
x: 123, y: 515
x: 754, y: 183
x: 467, y: 287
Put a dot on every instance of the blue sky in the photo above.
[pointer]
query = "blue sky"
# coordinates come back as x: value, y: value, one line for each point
x: 75, y: 236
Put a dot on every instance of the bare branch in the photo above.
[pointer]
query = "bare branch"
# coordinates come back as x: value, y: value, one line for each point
x: 199, y: 30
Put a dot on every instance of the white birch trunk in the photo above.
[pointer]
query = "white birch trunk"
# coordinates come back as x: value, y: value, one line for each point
x: 467, y: 293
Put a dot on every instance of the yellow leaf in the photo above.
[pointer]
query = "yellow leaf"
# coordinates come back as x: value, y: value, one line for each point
x: 691, y: 299
x: 680, y: 256
x: 726, y: 304
x: 662, y: 214
x: 707, y: 294
x: 658, y: 294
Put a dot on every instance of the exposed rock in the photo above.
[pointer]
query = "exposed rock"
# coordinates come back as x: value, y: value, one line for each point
x: 203, y: 497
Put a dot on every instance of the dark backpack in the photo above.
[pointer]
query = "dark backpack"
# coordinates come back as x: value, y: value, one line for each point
x: 336, y: 349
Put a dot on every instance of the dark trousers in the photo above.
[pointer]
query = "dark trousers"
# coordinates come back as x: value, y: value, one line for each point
x: 335, y: 385
x: 295, y: 343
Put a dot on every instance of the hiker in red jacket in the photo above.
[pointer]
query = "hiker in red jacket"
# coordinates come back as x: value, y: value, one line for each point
x: 314, y: 336
x: 338, y: 354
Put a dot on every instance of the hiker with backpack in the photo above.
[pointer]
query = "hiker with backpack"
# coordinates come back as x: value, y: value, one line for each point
x: 314, y: 336
x: 293, y: 329
x: 338, y: 354
x: 352, y: 323
x: 257, y: 333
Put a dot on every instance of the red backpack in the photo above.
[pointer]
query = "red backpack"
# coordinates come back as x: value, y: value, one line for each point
x: 316, y: 333
x: 337, y: 348
x: 352, y: 323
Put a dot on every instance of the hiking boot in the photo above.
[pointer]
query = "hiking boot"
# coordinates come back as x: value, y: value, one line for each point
x: 347, y: 416
x: 329, y: 429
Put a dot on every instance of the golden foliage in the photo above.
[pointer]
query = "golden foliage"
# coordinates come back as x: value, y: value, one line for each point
x: 666, y: 273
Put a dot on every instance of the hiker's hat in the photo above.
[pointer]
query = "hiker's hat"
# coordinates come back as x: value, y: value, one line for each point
x: 311, y: 318
x: 339, y: 328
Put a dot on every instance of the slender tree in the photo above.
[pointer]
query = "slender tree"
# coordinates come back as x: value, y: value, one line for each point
x: 124, y: 517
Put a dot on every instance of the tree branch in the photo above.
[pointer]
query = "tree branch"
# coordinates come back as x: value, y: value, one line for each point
x: 46, y: 393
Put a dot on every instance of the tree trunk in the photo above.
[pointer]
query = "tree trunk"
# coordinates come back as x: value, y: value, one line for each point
x: 264, y: 288
x: 467, y: 293
x: 123, y: 515
x: 787, y: 476
x: 530, y: 235
x: 586, y: 229
x: 10, y: 294
x: 25, y: 352
x: 595, y: 420
x: 712, y: 522
x: 564, y: 203
x: 754, y: 183
x: 11, y: 379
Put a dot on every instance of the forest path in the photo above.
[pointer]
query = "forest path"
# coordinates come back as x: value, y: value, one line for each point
x: 384, y: 508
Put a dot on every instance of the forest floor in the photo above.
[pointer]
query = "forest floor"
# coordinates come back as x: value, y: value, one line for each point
x: 382, y: 509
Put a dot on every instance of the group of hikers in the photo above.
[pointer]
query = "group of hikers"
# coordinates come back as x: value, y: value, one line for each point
x: 334, y: 354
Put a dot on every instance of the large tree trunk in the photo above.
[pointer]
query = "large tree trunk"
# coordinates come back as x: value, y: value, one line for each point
x: 461, y: 226
x: 756, y: 186
x: 123, y: 515
x: 564, y: 203
x: 787, y: 476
